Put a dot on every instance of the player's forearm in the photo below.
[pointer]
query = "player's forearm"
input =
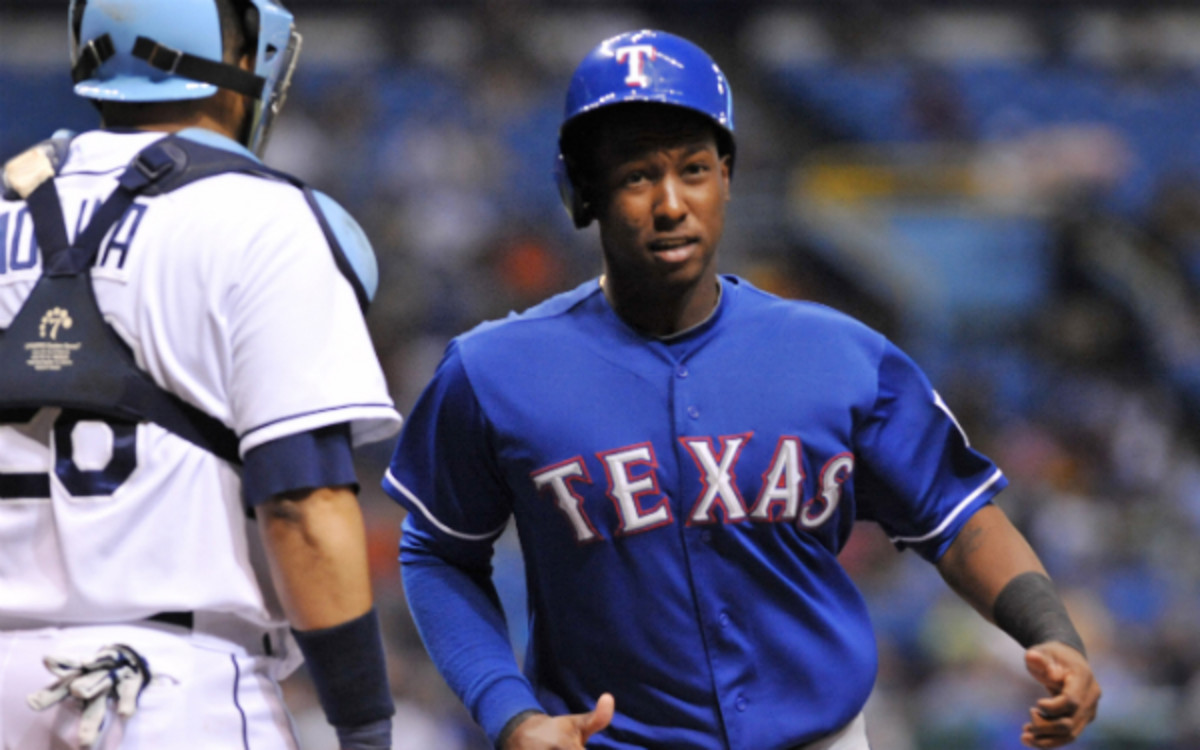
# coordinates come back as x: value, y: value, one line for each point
x: 316, y: 545
x: 986, y: 556
x: 992, y: 567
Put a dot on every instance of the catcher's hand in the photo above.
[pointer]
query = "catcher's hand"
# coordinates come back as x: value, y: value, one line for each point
x: 116, y: 672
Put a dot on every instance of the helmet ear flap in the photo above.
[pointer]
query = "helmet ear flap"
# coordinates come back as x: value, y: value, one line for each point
x: 577, y: 207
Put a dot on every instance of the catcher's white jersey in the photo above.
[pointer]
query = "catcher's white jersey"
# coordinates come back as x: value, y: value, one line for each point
x: 229, y: 296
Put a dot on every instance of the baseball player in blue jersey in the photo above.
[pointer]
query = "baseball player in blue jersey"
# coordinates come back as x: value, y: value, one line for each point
x: 186, y: 371
x: 685, y: 456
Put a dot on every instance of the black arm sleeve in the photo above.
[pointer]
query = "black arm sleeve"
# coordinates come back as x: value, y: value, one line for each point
x: 1030, y: 610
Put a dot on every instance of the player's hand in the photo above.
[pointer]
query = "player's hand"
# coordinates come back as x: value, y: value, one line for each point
x: 570, y: 732
x: 1058, y: 720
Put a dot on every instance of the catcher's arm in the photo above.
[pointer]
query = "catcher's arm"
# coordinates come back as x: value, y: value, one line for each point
x: 317, y: 548
x: 316, y: 545
x: 993, y: 568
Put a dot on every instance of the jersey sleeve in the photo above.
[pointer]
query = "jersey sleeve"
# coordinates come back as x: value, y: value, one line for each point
x: 444, y: 471
x: 918, y: 476
x: 300, y: 354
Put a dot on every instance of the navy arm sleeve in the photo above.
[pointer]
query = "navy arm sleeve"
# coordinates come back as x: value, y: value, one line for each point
x: 444, y: 473
x: 318, y: 458
x: 918, y: 475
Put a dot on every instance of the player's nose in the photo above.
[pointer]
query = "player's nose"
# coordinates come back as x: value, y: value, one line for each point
x: 670, y: 208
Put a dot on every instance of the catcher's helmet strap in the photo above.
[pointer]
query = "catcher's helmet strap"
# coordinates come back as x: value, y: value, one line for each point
x: 91, y: 56
x: 171, y: 61
x: 176, y: 62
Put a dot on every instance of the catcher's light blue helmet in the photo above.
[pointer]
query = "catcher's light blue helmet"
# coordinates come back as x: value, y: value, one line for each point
x: 642, y: 66
x: 171, y: 50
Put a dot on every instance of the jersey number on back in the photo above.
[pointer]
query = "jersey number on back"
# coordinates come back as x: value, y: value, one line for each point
x: 95, y: 478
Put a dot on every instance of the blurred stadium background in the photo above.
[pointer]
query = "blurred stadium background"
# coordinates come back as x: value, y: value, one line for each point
x: 1011, y: 190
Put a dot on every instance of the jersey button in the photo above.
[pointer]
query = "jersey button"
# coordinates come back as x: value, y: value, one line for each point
x: 741, y: 703
x: 723, y: 619
x: 682, y: 371
x: 693, y: 412
x: 706, y: 536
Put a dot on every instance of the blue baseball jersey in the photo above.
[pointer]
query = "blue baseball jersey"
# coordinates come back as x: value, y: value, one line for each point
x: 681, y: 504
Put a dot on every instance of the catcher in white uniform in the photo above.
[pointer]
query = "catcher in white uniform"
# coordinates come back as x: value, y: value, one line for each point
x: 186, y: 372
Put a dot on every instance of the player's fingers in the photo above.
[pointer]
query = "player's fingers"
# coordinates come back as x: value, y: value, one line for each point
x: 1052, y: 731
x: 1057, y: 707
x: 1029, y: 739
x: 1078, y: 696
x: 599, y: 717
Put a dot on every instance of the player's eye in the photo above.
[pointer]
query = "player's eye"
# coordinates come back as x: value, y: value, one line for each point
x: 634, y: 177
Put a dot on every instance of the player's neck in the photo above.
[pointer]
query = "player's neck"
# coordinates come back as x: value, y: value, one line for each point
x: 223, y: 113
x: 176, y: 126
x: 659, y: 311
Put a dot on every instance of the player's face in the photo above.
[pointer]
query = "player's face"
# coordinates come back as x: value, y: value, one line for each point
x: 661, y: 189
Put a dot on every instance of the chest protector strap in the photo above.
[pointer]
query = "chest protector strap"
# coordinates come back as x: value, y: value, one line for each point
x: 59, y: 351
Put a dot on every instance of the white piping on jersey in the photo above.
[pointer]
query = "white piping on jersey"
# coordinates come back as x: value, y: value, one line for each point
x: 953, y: 514
x: 441, y: 526
x: 937, y: 400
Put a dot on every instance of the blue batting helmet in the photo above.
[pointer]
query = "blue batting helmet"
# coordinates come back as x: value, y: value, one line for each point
x: 642, y: 66
x: 170, y: 50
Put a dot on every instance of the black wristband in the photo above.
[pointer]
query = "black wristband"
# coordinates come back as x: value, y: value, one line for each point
x: 1030, y: 610
x: 511, y: 726
x: 348, y: 670
x: 374, y: 736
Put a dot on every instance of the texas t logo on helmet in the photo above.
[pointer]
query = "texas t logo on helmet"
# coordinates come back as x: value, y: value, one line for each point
x: 636, y: 55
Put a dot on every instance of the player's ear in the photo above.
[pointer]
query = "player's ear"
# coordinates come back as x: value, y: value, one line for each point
x: 585, y: 204
x: 727, y: 175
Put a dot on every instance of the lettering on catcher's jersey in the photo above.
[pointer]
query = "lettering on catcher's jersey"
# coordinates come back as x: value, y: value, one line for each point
x: 633, y: 484
x: 19, y: 247
x: 92, y: 456
x: 116, y: 251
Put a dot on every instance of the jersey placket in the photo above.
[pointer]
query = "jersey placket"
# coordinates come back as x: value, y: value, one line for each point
x: 699, y: 543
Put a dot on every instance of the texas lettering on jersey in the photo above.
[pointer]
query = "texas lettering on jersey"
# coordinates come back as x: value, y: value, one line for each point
x: 632, y: 485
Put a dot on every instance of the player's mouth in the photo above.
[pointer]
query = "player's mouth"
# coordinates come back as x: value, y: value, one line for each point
x: 674, y: 249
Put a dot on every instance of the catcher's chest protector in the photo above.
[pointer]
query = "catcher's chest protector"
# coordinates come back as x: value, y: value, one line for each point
x: 59, y: 351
